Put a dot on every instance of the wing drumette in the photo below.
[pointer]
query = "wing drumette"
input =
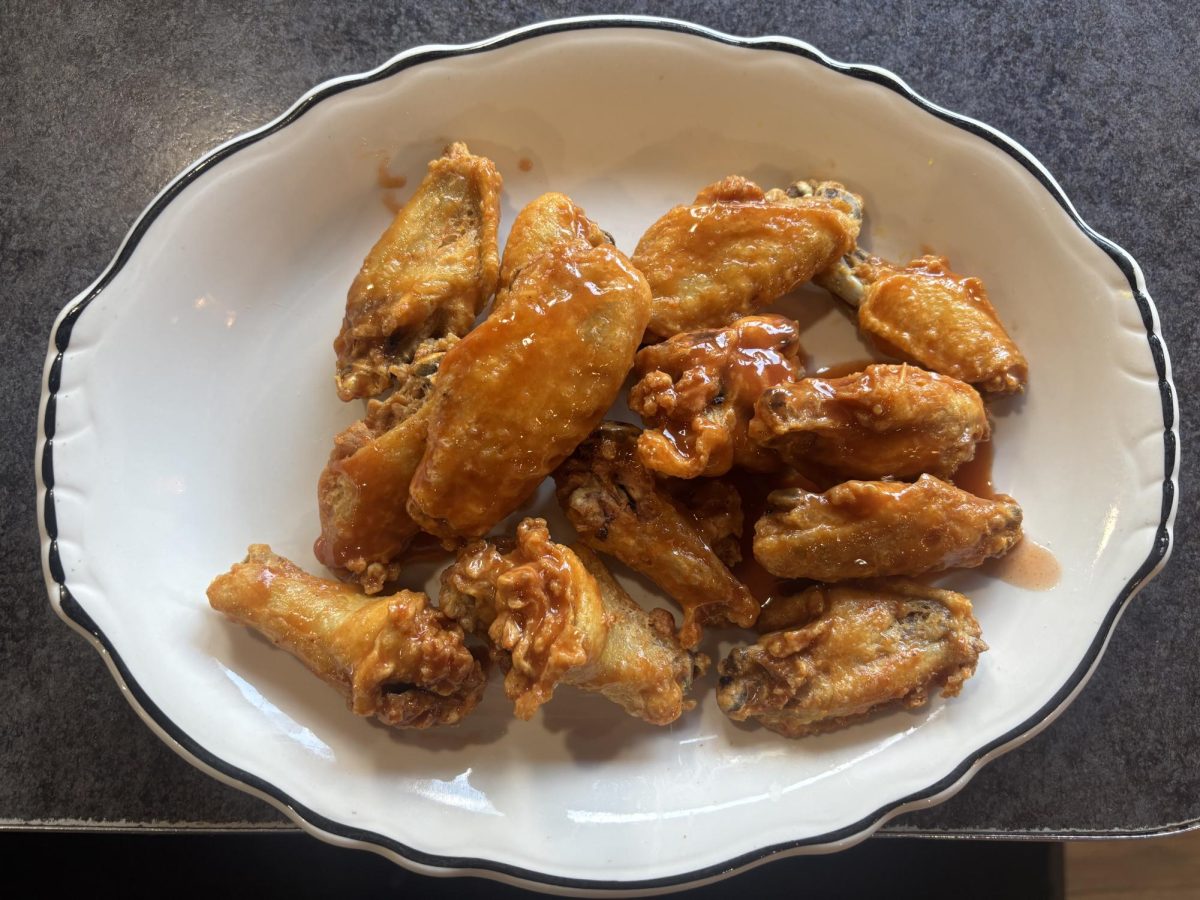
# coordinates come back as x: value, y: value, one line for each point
x: 867, y: 646
x: 865, y: 529
x: 886, y: 421
x: 697, y: 391
x: 427, y: 276
x: 395, y: 658
x: 617, y: 507
x: 735, y: 249
x: 554, y: 616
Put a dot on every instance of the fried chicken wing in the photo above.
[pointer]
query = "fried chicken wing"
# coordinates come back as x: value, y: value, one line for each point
x: 395, y: 658
x: 735, y: 249
x: 556, y: 616
x: 617, y: 507
x: 697, y: 391
x: 888, y: 420
x: 428, y: 275
x: 926, y: 313
x: 873, y: 646
x: 515, y: 396
x: 864, y: 529
x: 363, y: 491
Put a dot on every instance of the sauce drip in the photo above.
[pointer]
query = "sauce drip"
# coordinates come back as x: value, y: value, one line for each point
x: 975, y: 476
x: 1028, y: 565
x: 525, y: 164
x: 386, y: 180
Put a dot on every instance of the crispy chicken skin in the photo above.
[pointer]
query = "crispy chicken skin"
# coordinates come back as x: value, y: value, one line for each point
x: 552, y: 220
x: 926, y: 313
x: 554, y: 616
x: 888, y: 420
x: 617, y: 507
x: 734, y: 250
x: 395, y: 658
x: 428, y: 275
x: 515, y: 396
x: 696, y: 393
x: 865, y: 529
x: 873, y: 645
x: 362, y: 492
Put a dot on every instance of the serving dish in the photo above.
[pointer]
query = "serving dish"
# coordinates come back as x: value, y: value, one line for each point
x: 188, y: 409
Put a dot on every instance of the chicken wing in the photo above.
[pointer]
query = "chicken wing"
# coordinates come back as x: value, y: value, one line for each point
x: 617, y: 507
x: 395, y: 658
x: 554, y: 615
x: 427, y: 276
x: 888, y: 420
x: 926, y: 313
x: 735, y: 249
x: 864, y: 529
x: 362, y: 492
x: 873, y: 646
x: 515, y: 396
x: 697, y: 391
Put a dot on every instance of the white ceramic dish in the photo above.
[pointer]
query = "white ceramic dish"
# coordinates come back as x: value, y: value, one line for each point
x: 188, y: 408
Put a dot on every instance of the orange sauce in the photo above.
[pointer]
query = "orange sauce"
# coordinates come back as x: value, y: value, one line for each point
x: 525, y: 164
x: 387, y: 180
x: 1028, y: 565
x: 975, y: 476
x: 392, y: 202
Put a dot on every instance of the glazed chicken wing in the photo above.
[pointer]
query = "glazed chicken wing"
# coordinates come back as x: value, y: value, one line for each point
x: 617, y: 507
x: 697, y: 391
x: 926, y: 313
x: 395, y: 658
x: 427, y: 276
x: 556, y: 616
x: 872, y: 646
x: 888, y: 420
x: 362, y: 492
x: 864, y: 529
x: 515, y: 396
x: 736, y: 249
x: 716, y: 510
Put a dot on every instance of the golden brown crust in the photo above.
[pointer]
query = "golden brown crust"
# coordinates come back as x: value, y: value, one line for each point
x: 617, y: 507
x: 551, y: 220
x: 428, y: 276
x: 872, y: 646
x: 394, y: 658
x: 515, y: 396
x: 554, y: 615
x: 734, y: 250
x: 696, y: 394
x: 865, y: 529
x: 363, y: 491
x: 926, y: 313
x: 886, y: 421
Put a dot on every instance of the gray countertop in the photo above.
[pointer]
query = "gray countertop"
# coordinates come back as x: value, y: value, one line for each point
x: 102, y: 104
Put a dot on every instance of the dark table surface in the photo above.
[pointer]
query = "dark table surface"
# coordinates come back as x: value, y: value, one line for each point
x: 101, y: 104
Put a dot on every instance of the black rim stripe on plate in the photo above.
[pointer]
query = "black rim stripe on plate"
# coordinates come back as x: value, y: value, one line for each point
x: 73, y: 610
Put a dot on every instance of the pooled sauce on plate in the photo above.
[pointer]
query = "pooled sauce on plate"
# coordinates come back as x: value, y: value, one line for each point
x: 1028, y: 565
x: 975, y: 475
x: 525, y: 164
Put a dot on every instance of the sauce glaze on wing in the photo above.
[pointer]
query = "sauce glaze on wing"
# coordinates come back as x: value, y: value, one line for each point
x: 736, y: 249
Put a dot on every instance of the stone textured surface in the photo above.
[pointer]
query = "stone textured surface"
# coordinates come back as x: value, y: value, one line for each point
x: 100, y: 104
